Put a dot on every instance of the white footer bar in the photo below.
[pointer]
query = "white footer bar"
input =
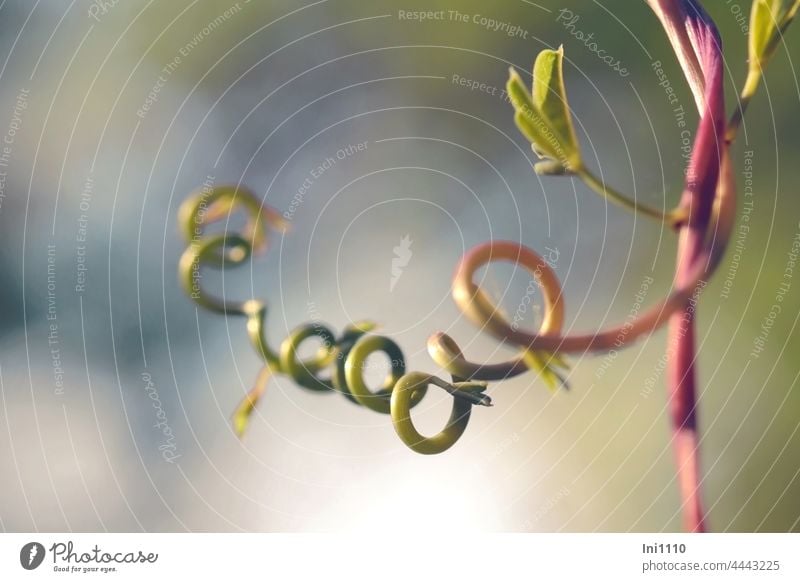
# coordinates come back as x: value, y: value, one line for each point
x: 386, y: 557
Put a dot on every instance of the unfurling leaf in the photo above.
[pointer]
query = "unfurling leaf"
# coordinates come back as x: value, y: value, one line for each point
x: 769, y: 19
x: 544, y: 117
x: 550, y: 95
x: 531, y: 122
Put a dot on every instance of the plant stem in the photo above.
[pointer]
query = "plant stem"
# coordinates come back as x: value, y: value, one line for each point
x: 709, y: 178
x: 750, y: 86
x: 672, y: 218
x: 682, y: 393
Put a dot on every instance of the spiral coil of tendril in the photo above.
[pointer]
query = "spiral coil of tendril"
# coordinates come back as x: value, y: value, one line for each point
x: 344, y: 357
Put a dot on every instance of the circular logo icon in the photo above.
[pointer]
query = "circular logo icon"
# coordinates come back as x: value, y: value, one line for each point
x: 31, y: 555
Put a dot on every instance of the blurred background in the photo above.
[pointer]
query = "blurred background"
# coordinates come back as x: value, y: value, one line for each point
x: 117, y: 391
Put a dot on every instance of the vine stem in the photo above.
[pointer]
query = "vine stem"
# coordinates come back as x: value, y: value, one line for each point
x: 702, y: 185
x: 682, y: 391
x: 696, y: 42
x: 751, y: 84
x: 672, y: 217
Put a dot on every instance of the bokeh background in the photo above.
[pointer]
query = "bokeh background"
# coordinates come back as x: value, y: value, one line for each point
x: 260, y: 94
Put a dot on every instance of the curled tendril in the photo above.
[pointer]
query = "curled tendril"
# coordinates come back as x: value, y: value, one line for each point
x: 343, y: 357
x: 477, y: 306
x: 339, y: 362
x: 704, y: 220
x: 479, y: 309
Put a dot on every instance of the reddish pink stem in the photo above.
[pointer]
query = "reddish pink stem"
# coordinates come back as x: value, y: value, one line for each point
x: 681, y: 385
x: 696, y: 42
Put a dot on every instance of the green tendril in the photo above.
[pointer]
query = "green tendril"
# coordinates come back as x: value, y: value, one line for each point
x: 344, y: 358
x: 543, y: 116
x: 402, y: 400
x: 356, y: 363
x: 340, y: 362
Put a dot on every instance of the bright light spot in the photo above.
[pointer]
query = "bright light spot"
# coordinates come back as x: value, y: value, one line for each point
x: 440, y: 502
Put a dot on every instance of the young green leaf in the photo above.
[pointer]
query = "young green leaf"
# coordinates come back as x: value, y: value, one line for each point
x: 544, y: 117
x: 762, y: 26
x: 550, y: 96
x: 769, y: 19
x: 530, y: 122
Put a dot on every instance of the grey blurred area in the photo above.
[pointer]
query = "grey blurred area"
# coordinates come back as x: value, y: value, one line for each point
x: 374, y: 126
